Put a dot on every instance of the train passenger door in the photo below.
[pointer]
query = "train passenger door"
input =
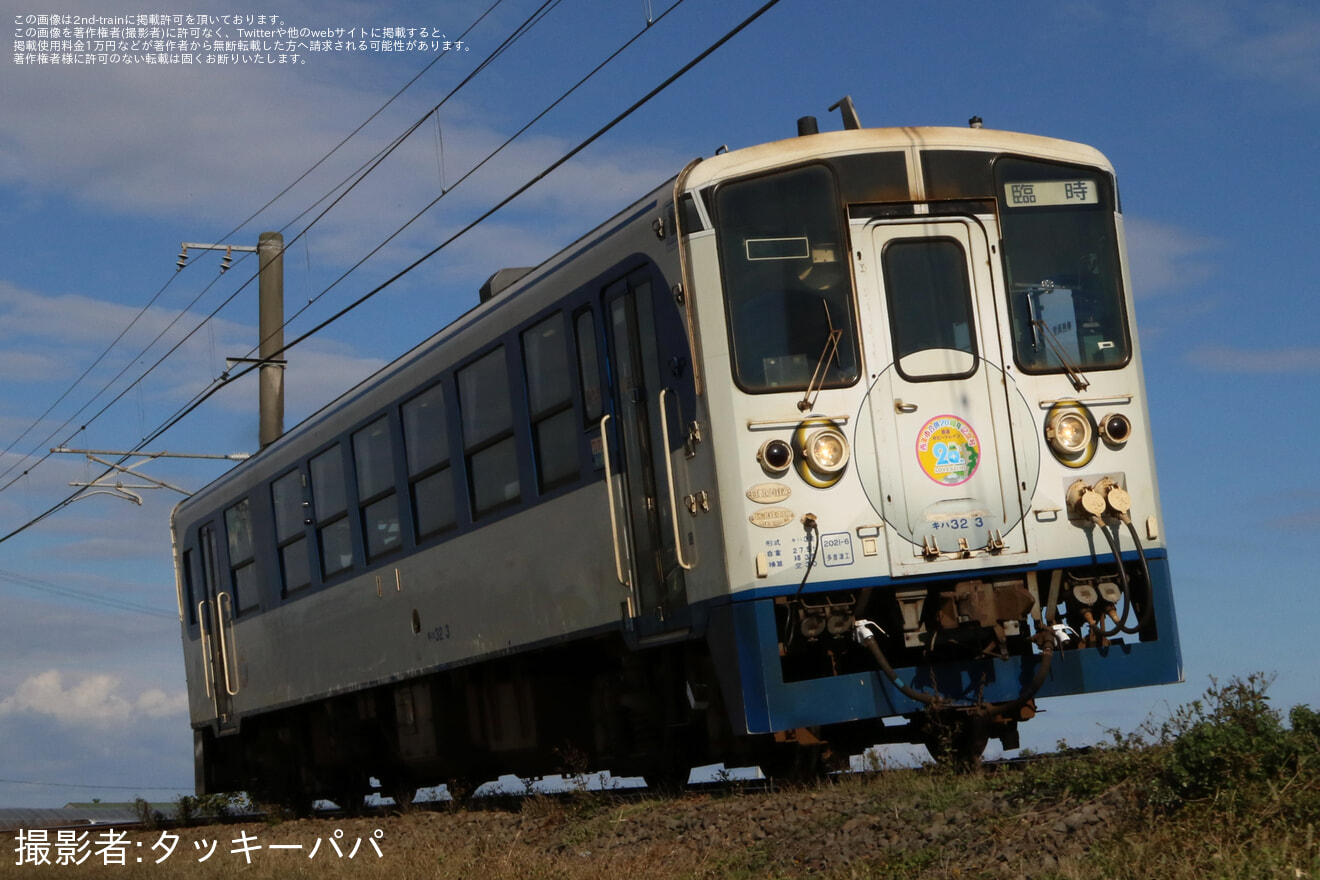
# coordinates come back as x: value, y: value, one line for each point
x: 941, y: 467
x: 216, y: 619
x: 634, y: 368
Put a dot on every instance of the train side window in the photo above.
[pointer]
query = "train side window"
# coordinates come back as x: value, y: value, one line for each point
x: 930, y: 308
x: 290, y: 535
x: 588, y: 368
x: 373, y: 456
x: 550, y: 402
x: 189, y: 593
x: 330, y: 506
x: 489, y: 445
x: 242, y: 566
x: 426, y: 445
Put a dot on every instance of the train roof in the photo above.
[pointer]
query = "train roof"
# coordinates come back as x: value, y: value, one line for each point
x: 749, y: 160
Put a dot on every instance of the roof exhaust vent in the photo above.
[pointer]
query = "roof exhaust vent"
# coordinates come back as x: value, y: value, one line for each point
x: 502, y: 280
x: 849, y: 113
x: 807, y: 125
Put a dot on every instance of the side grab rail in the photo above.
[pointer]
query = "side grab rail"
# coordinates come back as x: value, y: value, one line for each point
x: 669, y: 473
x: 221, y: 601
x: 206, y: 645
x: 609, y: 490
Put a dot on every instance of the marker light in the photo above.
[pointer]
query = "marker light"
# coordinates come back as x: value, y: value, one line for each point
x: 775, y: 457
x: 1115, y: 428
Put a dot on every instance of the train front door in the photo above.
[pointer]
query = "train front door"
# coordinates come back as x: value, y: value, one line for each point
x: 216, y: 619
x: 657, y: 580
x: 940, y: 418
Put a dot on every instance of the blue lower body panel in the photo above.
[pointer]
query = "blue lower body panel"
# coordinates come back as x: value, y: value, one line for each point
x: 771, y: 704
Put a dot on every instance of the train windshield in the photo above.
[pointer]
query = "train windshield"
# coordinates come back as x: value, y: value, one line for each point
x: 787, y: 281
x: 1061, y: 266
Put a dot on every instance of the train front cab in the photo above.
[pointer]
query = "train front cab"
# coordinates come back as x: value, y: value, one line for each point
x: 938, y: 441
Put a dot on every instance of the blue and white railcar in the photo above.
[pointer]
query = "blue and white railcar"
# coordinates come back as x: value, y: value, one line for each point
x: 820, y: 432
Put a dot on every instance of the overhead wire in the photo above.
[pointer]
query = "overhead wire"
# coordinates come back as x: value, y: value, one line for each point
x: 187, y: 787
x: 211, y: 390
x: 78, y: 381
x: 202, y: 396
x: 473, y: 170
x: 536, y: 16
x: 350, y: 182
x: 107, y: 601
x: 347, y: 185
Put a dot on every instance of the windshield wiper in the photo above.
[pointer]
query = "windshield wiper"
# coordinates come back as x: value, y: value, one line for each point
x: 829, y: 354
x: 1079, y: 381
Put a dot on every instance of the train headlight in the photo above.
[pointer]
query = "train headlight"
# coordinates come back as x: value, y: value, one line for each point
x: 827, y: 450
x: 1071, y: 433
x: 820, y: 452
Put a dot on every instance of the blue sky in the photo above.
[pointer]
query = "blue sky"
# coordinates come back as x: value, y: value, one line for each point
x: 1207, y: 109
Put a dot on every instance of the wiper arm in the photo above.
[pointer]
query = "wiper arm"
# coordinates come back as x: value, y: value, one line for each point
x: 1079, y: 381
x: 830, y: 352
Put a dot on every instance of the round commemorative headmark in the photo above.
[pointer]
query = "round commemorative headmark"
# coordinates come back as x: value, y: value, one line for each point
x: 948, y: 450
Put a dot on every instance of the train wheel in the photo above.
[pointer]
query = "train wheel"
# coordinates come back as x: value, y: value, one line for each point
x: 348, y: 789
x: 668, y: 780
x: 795, y: 763
x: 460, y: 789
x: 295, y: 802
x: 401, y: 790
x: 956, y: 739
x: 349, y: 801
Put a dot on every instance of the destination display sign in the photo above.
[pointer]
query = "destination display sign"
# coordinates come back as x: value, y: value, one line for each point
x: 1051, y: 193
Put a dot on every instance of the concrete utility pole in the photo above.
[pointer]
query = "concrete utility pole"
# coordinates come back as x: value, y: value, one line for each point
x: 270, y: 254
x: 270, y: 328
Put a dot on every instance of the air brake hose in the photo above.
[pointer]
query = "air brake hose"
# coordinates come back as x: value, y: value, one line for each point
x: 1037, y: 680
x: 1144, y: 619
x: 810, y: 525
x: 1124, y: 586
x: 1119, y: 504
x: 862, y: 633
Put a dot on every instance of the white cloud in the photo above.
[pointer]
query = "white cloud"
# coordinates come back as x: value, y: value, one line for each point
x: 1274, y: 42
x: 1165, y: 258
x: 1227, y: 359
x: 156, y: 703
x: 95, y: 701
x: 73, y: 330
x: 213, y: 145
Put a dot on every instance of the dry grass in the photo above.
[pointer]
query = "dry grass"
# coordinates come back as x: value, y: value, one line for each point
x: 1223, y: 791
x: 758, y: 835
